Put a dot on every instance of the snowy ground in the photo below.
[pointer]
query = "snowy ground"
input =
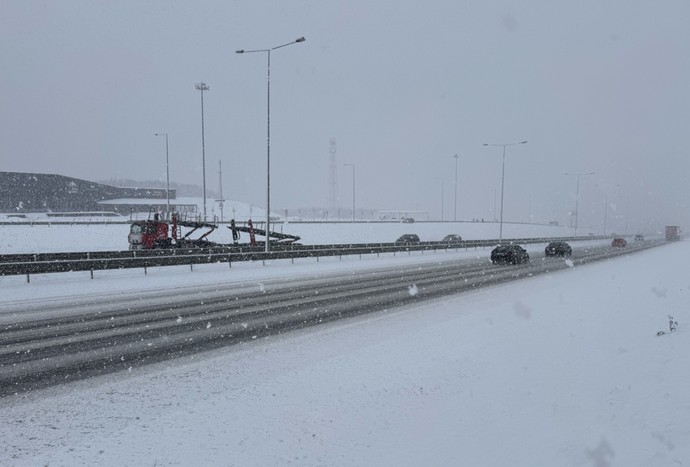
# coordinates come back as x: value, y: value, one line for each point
x: 557, y: 370
x: 113, y: 237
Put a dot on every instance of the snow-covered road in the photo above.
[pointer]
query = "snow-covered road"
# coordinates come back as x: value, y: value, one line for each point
x: 44, y: 342
x: 562, y: 369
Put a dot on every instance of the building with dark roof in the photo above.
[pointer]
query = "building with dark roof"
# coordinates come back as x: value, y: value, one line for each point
x: 32, y: 192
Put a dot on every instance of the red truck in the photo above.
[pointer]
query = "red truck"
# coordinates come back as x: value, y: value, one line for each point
x: 158, y: 234
x: 672, y: 232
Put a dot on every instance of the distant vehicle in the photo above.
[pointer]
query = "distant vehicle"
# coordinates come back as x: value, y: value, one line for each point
x: 452, y: 238
x: 558, y: 249
x: 513, y: 254
x: 408, y: 239
x: 401, y: 216
x: 619, y: 242
x: 672, y: 232
x: 639, y: 238
x: 160, y: 234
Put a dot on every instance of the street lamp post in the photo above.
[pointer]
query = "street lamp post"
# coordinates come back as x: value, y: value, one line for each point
x: 577, y: 194
x: 442, y: 195
x: 167, y: 175
x: 618, y: 193
x: 221, y: 201
x: 268, y: 128
x: 455, y: 213
x: 606, y: 210
x: 203, y: 87
x: 493, y: 213
x: 353, y: 189
x: 503, y: 172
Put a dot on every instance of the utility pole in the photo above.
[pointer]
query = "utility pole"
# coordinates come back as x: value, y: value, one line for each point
x: 442, y: 195
x: 167, y: 176
x: 455, y: 215
x: 203, y: 87
x: 220, y: 185
x: 503, y: 177
x: 353, y: 189
x: 268, y: 128
x: 577, y: 194
x: 606, y: 210
x: 333, y: 173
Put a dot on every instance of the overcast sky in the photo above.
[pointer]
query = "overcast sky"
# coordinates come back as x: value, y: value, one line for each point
x: 593, y: 86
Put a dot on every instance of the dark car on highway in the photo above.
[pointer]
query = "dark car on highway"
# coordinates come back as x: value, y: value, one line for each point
x: 558, y: 249
x: 407, y: 239
x: 619, y: 242
x: 452, y: 238
x: 509, y: 254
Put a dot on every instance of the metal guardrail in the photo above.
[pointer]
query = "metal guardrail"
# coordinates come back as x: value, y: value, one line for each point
x: 42, y: 263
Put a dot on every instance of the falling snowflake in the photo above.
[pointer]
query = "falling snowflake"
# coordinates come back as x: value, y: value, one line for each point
x: 208, y: 325
x: 569, y: 262
x: 413, y: 290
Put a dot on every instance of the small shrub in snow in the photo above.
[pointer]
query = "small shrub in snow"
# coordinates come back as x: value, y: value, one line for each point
x: 672, y: 326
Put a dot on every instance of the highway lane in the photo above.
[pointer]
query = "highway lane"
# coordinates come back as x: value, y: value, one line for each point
x: 49, y: 343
